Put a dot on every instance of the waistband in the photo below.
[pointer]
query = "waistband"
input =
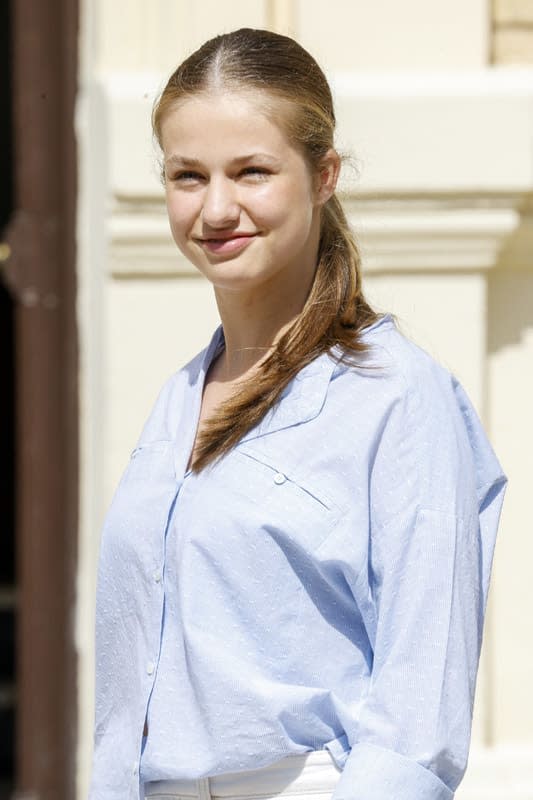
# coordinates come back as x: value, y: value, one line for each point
x: 310, y: 772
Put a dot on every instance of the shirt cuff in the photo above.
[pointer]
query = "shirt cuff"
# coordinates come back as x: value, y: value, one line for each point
x: 373, y: 773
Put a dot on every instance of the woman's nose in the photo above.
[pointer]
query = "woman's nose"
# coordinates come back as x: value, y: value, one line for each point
x: 220, y: 207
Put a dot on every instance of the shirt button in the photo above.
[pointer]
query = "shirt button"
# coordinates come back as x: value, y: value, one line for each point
x: 279, y: 478
x: 150, y: 668
x: 135, y: 767
x: 157, y: 577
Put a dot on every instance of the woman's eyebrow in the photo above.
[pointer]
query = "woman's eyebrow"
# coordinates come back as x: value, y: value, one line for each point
x: 184, y: 161
x: 255, y: 157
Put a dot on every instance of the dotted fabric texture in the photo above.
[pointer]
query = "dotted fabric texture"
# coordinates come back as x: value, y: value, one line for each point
x: 321, y: 586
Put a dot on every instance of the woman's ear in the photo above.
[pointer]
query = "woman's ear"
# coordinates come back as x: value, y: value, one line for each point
x: 328, y: 174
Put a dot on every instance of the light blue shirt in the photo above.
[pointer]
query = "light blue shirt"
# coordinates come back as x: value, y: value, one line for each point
x: 321, y: 586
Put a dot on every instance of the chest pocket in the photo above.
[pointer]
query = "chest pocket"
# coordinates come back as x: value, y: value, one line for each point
x: 299, y: 511
x: 248, y: 531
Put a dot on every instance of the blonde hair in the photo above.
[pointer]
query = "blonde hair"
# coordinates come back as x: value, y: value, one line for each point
x: 335, y: 311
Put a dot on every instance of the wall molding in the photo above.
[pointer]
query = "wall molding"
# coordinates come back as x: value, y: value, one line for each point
x: 444, y: 171
x: 407, y: 234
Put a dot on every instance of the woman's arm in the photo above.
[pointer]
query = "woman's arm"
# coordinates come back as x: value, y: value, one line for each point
x: 436, y: 492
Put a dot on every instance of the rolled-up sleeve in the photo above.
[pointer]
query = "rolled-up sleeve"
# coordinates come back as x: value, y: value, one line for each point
x: 373, y: 772
x: 436, y: 491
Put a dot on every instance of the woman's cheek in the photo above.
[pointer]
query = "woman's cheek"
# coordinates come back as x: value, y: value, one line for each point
x: 181, y: 219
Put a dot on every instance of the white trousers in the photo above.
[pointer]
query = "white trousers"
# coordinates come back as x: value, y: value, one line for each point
x: 309, y: 776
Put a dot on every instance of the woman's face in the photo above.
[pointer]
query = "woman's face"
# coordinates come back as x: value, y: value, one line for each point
x: 243, y: 205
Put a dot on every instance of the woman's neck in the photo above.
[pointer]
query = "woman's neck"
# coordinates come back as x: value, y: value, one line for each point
x: 252, y: 326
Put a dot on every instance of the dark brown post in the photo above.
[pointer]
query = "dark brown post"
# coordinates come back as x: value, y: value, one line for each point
x: 41, y: 277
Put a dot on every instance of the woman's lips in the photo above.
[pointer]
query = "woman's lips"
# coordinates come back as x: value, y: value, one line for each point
x: 228, y: 244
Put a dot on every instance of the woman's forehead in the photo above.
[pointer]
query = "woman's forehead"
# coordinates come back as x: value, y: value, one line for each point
x: 232, y: 102
x: 225, y: 120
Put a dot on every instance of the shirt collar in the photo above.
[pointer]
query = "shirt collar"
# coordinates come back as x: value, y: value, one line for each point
x: 302, y: 399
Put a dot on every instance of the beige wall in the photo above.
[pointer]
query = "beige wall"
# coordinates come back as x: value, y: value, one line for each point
x: 380, y: 36
x: 511, y: 367
x: 443, y: 212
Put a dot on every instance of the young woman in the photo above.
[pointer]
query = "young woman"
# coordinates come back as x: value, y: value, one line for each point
x: 294, y: 570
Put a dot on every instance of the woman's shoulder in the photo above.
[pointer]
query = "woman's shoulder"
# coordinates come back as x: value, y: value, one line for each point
x: 189, y: 374
x: 430, y: 403
x: 176, y: 393
x: 398, y: 355
x: 394, y: 364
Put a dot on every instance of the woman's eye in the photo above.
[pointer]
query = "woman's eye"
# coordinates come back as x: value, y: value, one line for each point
x: 259, y: 172
x: 187, y: 176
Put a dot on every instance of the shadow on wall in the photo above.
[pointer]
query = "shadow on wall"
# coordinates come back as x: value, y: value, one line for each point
x: 510, y: 306
x: 510, y: 288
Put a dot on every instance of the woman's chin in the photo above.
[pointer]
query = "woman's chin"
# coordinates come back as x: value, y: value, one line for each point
x: 236, y: 283
x: 230, y: 275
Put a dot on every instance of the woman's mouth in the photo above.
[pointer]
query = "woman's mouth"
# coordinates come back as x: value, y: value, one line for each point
x: 227, y: 244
